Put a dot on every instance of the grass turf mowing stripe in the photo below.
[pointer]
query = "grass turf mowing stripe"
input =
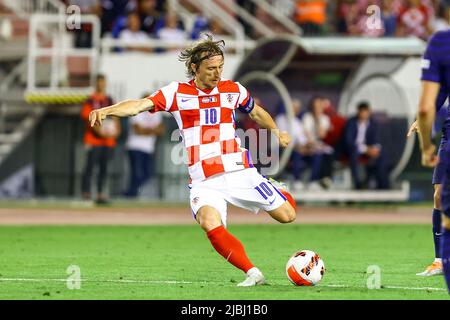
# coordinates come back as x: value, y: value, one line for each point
x: 210, y: 282
x: 133, y: 256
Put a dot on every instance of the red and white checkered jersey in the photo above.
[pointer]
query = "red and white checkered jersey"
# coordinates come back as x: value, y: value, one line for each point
x: 206, y: 119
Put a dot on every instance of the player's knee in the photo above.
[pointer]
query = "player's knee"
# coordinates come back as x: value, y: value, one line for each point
x: 288, y: 214
x: 208, y: 218
x: 291, y: 215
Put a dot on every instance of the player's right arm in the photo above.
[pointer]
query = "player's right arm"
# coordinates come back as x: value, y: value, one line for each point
x: 126, y: 108
x: 425, y: 119
x: 431, y: 80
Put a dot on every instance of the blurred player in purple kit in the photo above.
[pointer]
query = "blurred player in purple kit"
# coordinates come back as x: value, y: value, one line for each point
x: 435, y: 268
x: 435, y: 91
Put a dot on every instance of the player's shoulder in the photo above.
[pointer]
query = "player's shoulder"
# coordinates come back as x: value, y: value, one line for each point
x: 440, y: 37
x: 229, y: 85
x: 168, y: 89
x: 172, y: 84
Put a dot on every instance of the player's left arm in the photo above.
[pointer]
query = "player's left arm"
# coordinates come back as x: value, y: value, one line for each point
x: 425, y: 119
x: 264, y: 120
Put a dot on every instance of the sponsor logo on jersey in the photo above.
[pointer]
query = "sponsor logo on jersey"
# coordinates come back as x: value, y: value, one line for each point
x: 209, y: 99
x: 425, y: 64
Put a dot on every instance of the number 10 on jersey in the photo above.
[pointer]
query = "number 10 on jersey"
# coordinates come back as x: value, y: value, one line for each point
x: 210, y: 116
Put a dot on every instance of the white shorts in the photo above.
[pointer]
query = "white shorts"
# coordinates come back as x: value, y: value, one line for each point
x: 245, y: 188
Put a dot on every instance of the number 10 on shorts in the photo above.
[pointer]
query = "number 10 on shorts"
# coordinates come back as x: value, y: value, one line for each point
x: 264, y: 190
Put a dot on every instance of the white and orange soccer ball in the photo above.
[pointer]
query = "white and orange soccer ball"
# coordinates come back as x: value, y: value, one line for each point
x: 305, y: 268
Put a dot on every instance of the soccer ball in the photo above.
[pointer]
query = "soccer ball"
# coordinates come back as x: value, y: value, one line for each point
x: 305, y: 268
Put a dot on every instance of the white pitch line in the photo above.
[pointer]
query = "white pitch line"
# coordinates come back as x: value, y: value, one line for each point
x: 206, y: 282
x: 386, y: 287
x: 114, y: 281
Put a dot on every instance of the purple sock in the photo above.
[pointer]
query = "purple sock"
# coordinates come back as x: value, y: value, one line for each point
x: 437, y: 232
x: 445, y: 243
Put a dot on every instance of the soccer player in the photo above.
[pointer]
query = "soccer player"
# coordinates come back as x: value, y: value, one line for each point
x: 221, y: 172
x: 435, y: 268
x: 435, y: 90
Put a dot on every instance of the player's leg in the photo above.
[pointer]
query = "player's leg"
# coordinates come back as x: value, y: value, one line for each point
x: 445, y: 238
x: 437, y: 223
x: 445, y: 243
x: 208, y: 218
x: 286, y: 212
x: 209, y: 210
x: 435, y: 268
x: 283, y: 214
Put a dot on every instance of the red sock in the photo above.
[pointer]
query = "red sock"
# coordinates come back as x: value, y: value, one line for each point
x: 229, y: 247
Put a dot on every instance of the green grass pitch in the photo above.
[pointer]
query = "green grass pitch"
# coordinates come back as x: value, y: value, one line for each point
x: 178, y: 262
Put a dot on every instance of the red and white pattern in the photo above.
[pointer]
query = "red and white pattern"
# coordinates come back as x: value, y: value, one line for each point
x: 206, y: 122
x: 415, y: 20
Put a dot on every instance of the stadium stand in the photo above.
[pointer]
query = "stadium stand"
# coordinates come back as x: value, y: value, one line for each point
x: 57, y: 71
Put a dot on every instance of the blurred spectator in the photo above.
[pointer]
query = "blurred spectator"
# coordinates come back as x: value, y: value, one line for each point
x: 317, y: 125
x: 114, y: 9
x: 172, y: 31
x: 389, y: 18
x: 99, y: 142
x: 201, y: 25
x: 333, y: 138
x: 341, y: 12
x: 337, y: 123
x: 311, y: 16
x: 361, y: 146
x: 446, y: 6
x: 133, y: 34
x: 442, y: 19
x: 300, y: 142
x: 414, y: 20
x: 352, y: 18
x: 143, y: 131
x: 204, y: 26
x: 218, y: 31
x: 149, y: 15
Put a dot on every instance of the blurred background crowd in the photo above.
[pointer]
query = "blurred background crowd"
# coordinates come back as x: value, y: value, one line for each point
x: 137, y: 20
x: 328, y: 134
